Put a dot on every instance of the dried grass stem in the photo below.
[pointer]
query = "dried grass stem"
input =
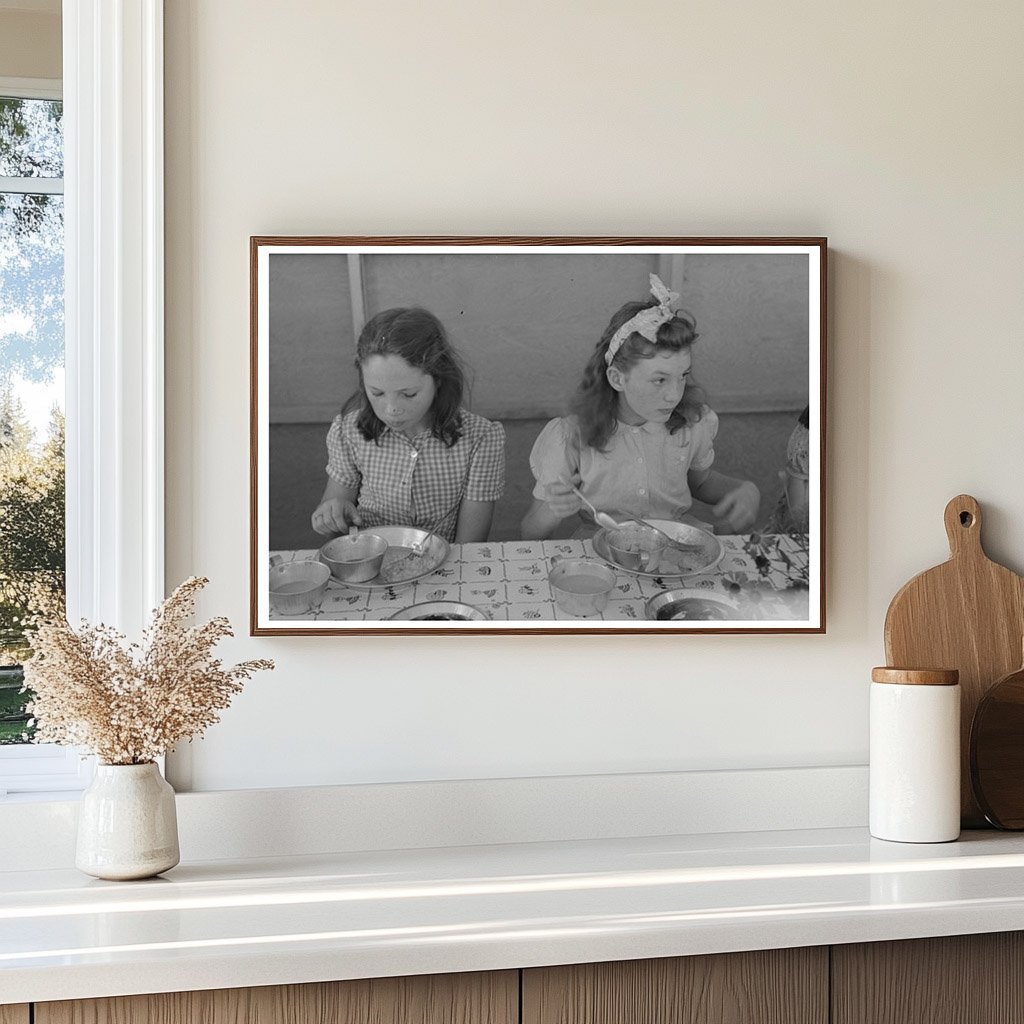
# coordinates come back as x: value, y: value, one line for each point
x: 130, y: 703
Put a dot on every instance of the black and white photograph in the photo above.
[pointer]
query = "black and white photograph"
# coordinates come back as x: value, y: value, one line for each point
x: 537, y: 435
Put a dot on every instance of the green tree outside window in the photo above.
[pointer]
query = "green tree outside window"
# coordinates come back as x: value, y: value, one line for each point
x: 31, y: 352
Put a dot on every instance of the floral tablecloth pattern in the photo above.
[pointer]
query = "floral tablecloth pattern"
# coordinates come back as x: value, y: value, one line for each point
x: 764, y: 575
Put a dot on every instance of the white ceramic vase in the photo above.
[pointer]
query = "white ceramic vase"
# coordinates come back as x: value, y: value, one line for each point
x: 127, y: 825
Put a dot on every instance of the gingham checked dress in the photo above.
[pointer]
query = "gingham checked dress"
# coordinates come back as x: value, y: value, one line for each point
x: 419, y: 481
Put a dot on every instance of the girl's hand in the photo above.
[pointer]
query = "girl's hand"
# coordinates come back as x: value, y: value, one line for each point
x: 335, y: 516
x: 738, y: 509
x: 560, y: 499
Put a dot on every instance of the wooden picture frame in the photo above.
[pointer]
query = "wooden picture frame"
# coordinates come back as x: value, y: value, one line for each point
x: 526, y: 315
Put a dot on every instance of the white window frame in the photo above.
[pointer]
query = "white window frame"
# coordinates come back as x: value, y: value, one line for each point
x: 114, y: 337
x: 32, y: 89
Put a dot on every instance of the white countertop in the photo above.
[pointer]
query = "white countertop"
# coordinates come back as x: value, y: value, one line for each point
x: 224, y: 924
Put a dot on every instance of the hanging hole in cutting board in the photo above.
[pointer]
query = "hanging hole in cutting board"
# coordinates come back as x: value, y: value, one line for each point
x: 963, y: 611
x: 966, y: 519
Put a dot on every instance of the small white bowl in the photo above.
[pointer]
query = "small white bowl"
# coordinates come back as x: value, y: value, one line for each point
x: 295, y: 587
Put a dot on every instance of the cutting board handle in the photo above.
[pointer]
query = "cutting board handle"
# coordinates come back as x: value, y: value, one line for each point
x: 963, y: 527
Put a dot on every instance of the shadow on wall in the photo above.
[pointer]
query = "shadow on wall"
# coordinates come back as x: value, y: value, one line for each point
x: 749, y: 445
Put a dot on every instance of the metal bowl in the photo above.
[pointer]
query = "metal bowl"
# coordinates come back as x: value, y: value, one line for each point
x: 440, y: 610
x: 671, y: 562
x: 581, y: 586
x: 691, y: 606
x: 401, y: 540
x: 295, y: 587
x: 636, y: 547
x: 354, y: 559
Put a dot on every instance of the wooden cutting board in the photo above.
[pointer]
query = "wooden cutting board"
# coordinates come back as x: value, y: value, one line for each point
x: 967, y: 614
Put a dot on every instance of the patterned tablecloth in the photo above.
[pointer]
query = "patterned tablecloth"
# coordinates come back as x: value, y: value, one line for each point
x: 765, y: 576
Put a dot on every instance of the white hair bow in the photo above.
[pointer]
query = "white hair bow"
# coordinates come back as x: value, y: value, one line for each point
x: 647, y: 321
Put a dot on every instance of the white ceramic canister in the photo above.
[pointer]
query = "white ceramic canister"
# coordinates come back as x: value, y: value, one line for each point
x: 915, y: 755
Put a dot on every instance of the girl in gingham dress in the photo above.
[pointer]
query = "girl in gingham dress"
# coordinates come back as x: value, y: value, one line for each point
x: 403, y: 451
x: 640, y: 439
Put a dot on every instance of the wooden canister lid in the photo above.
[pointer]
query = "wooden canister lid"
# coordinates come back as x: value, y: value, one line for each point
x: 918, y: 676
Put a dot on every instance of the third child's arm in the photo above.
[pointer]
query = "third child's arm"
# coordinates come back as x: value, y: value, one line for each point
x: 474, y: 522
x: 337, y: 509
x: 735, y: 502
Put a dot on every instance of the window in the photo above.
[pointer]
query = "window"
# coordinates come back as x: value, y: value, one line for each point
x: 31, y: 379
x: 113, y: 311
x: 32, y: 533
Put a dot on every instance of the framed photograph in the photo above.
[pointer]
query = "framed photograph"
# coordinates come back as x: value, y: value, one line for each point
x: 537, y: 435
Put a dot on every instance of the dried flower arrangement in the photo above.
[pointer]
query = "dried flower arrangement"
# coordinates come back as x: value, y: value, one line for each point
x: 130, y: 704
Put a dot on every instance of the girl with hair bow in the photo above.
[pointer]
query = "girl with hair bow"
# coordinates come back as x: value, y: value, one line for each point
x: 640, y: 437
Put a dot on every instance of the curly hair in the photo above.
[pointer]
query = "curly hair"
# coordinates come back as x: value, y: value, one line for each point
x: 596, y: 402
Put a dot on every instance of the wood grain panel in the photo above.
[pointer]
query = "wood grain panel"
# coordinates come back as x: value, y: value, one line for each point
x: 480, y: 998
x: 779, y: 986
x: 962, y: 979
x: 965, y: 614
x: 14, y: 1014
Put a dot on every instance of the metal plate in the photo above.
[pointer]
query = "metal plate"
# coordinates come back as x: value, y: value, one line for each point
x: 711, y: 550
x: 400, y: 540
x: 440, y: 610
x: 689, y: 606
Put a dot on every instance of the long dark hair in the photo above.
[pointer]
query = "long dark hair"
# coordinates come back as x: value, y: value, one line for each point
x: 418, y: 337
x: 596, y: 402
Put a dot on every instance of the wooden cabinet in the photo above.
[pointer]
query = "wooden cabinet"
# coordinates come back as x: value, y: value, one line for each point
x: 963, y: 979
x: 481, y: 998
x: 967, y: 979
x: 776, y: 986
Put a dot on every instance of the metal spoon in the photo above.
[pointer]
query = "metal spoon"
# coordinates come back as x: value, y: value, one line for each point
x: 605, y: 520
x: 431, y: 533
x: 601, y: 518
x: 679, y: 545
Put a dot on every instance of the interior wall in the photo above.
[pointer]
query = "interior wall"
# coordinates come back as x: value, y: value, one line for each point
x: 30, y: 43
x: 893, y: 129
x: 526, y: 325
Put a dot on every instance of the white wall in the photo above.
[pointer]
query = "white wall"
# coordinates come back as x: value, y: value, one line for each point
x: 893, y: 129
